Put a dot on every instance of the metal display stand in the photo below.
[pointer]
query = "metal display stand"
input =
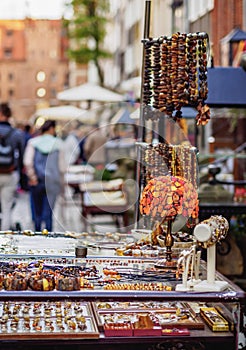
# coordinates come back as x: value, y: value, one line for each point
x: 233, y: 299
x: 169, y: 83
x: 141, y: 128
x: 196, y: 286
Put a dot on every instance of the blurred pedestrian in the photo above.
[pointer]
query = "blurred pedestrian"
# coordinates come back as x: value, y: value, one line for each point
x: 11, y: 163
x: 71, y: 148
x: 82, y: 134
x: 27, y: 131
x: 45, y: 167
x: 94, y: 147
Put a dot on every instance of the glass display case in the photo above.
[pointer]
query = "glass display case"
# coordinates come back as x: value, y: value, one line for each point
x: 55, y: 299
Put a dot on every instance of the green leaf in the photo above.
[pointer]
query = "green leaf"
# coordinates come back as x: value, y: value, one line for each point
x: 88, y: 26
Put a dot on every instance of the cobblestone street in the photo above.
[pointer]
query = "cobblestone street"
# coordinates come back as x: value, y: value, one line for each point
x: 67, y: 215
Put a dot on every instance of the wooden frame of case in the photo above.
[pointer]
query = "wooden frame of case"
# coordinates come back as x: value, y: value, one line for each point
x: 196, y: 322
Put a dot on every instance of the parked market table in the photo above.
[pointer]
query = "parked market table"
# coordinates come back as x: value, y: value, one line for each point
x: 104, y: 197
x: 227, y: 209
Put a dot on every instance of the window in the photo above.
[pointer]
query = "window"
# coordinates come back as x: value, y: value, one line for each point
x: 133, y: 33
x: 53, y: 76
x: 53, y: 93
x: 7, y: 53
x: 10, y: 76
x: 53, y: 54
x: 9, y: 32
x: 11, y: 93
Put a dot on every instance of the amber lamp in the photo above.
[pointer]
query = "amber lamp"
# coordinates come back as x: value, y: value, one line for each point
x: 165, y: 197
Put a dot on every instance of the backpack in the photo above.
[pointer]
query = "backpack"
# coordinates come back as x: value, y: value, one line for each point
x: 46, y: 166
x: 7, y: 154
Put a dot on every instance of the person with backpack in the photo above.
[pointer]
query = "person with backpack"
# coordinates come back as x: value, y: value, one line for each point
x: 11, y: 163
x: 45, y: 166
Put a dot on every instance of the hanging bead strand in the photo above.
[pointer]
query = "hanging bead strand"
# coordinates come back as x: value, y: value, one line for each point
x: 156, y: 73
x: 147, y: 81
x: 169, y: 105
x: 163, y: 77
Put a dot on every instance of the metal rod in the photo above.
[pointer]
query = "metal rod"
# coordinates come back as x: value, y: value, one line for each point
x: 141, y: 134
x: 141, y: 127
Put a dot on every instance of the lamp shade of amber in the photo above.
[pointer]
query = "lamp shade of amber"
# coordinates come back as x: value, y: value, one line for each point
x: 164, y: 197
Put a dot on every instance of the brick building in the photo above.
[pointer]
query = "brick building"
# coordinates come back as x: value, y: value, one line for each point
x: 218, y: 18
x: 33, y: 64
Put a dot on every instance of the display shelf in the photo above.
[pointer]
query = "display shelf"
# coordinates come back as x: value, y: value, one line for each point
x: 57, y: 244
x: 104, y: 274
x: 194, y: 342
x: 106, y: 266
x: 143, y: 301
x: 225, y: 209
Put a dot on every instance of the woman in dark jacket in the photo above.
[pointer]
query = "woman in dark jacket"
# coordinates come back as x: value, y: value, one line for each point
x: 11, y: 160
x: 45, y: 167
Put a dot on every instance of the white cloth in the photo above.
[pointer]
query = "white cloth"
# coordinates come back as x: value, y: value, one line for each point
x: 94, y: 147
x: 8, y: 186
x: 71, y: 149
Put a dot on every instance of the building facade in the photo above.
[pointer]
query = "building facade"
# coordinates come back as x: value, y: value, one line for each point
x: 126, y: 29
x: 218, y: 18
x: 33, y: 64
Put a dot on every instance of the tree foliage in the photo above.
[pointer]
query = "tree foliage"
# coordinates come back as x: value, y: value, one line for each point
x: 86, y: 31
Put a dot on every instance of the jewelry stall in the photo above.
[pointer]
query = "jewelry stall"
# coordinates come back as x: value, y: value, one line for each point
x: 112, y: 292
x: 147, y: 289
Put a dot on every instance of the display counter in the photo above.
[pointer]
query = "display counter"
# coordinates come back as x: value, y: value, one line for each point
x: 227, y: 209
x: 109, y: 302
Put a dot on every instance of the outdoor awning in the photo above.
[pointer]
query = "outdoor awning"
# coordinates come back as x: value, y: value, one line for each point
x: 235, y: 35
x: 132, y: 85
x: 65, y: 113
x: 89, y: 92
x: 226, y: 87
x: 187, y: 113
x: 122, y: 117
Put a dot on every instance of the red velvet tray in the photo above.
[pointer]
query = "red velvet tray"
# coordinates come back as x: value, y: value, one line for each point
x: 145, y: 332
